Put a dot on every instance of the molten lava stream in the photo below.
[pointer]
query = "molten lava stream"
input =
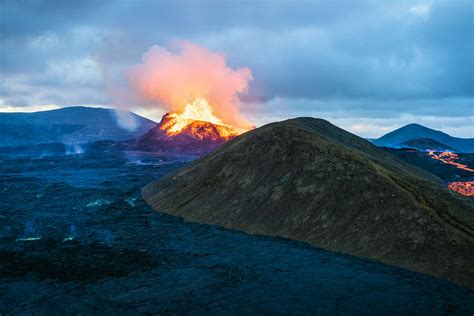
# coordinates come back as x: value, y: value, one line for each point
x: 449, y: 158
x: 465, y: 188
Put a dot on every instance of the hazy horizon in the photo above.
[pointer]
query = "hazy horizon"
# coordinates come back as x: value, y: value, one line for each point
x: 156, y: 117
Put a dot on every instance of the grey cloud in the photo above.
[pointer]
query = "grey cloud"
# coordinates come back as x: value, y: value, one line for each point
x: 364, y: 58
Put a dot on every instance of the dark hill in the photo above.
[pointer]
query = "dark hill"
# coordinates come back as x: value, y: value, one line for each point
x: 426, y: 144
x: 306, y: 179
x: 68, y: 125
x: 416, y: 131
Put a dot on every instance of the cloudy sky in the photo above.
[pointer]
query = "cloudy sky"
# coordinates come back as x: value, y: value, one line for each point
x: 367, y: 66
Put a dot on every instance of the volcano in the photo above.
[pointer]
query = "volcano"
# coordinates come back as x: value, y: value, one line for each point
x: 307, y: 180
x: 193, y: 130
x: 187, y: 136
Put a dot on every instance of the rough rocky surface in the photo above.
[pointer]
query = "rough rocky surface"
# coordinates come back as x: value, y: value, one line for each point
x: 76, y: 238
x: 308, y: 180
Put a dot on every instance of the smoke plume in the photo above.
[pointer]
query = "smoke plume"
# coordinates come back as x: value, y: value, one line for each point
x: 172, y: 79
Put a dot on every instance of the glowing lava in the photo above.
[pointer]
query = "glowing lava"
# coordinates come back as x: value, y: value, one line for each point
x: 198, y: 120
x: 449, y: 158
x: 464, y: 188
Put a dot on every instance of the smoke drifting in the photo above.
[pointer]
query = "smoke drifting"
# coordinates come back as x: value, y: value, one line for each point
x: 126, y: 120
x: 173, y: 79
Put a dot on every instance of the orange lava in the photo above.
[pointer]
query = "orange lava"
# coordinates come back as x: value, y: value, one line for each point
x: 195, y: 119
x: 449, y: 158
x: 464, y: 188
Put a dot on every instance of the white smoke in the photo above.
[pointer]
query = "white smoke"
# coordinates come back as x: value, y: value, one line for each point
x: 126, y: 120
x: 74, y: 149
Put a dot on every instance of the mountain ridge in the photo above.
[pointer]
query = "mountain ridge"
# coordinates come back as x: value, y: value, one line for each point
x: 413, y: 131
x: 77, y: 124
x: 424, y: 144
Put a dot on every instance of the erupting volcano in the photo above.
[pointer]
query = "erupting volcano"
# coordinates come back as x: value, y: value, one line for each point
x: 200, y: 91
x: 194, y: 130
x: 198, y: 88
x: 198, y: 121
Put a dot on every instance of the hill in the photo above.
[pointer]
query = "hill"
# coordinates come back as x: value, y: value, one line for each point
x: 416, y: 131
x: 306, y: 179
x: 68, y: 125
x: 426, y: 144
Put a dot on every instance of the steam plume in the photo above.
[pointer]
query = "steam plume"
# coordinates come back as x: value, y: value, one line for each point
x: 174, y: 79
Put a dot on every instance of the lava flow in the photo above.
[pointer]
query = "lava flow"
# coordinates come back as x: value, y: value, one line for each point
x: 465, y: 188
x: 449, y: 158
x: 462, y: 187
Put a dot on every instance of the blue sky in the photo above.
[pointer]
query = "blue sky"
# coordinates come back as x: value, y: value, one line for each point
x: 367, y: 66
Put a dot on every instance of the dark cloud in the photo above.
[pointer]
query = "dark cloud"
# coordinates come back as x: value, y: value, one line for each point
x: 364, y: 58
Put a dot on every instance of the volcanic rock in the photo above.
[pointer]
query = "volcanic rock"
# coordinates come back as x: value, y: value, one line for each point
x: 308, y: 180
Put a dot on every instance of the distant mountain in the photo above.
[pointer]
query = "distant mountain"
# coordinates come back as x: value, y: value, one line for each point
x: 69, y: 125
x: 426, y: 144
x: 308, y: 180
x: 415, y: 131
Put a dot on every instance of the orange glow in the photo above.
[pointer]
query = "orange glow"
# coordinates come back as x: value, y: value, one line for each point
x: 193, y: 83
x: 464, y: 188
x: 449, y: 158
x: 199, y: 110
x: 194, y: 117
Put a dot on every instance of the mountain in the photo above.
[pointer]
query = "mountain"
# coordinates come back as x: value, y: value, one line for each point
x: 307, y: 180
x: 426, y: 144
x: 69, y: 125
x: 196, y: 137
x: 416, y: 131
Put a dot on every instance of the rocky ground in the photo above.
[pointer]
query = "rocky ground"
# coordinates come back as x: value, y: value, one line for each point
x: 76, y: 237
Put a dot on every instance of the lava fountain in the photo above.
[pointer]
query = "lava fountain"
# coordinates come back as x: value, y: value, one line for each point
x: 193, y: 119
x: 195, y: 85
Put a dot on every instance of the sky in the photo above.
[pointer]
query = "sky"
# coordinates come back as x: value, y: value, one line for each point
x: 366, y: 66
